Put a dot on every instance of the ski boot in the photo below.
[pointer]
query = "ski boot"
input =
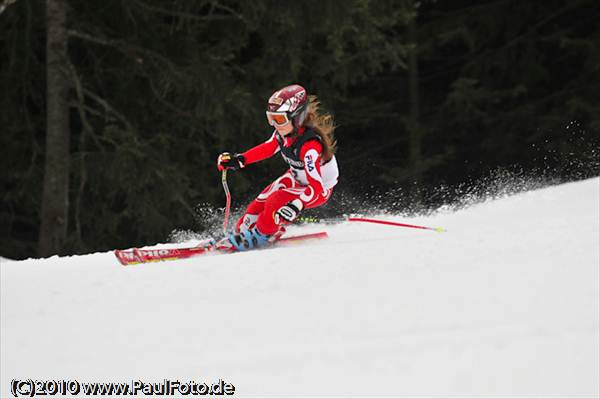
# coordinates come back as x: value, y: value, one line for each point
x: 248, y: 239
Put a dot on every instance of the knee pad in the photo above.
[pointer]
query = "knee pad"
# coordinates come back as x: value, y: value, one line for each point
x: 246, y: 222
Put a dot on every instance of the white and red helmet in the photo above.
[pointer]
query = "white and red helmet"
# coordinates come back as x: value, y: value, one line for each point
x: 288, y: 104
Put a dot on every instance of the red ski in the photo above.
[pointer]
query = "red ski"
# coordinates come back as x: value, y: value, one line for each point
x: 134, y: 256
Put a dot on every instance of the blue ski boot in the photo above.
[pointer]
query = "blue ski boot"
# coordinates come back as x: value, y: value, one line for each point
x: 245, y: 240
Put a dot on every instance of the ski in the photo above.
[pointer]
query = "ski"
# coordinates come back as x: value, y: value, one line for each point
x: 136, y: 255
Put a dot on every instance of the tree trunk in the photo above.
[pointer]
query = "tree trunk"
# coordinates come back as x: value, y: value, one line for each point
x: 55, y: 197
x: 414, y: 128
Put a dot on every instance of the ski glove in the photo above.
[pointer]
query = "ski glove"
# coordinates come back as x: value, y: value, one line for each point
x: 289, y: 212
x: 230, y: 161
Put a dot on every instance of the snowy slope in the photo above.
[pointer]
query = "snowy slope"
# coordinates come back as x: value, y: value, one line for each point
x: 506, y: 303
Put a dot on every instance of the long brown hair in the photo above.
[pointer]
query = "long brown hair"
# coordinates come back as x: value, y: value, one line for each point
x: 323, y: 124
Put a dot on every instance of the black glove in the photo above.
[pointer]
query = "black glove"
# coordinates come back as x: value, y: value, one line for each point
x: 289, y: 212
x: 230, y: 161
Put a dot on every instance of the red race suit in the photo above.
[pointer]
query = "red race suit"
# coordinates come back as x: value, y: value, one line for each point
x: 309, y: 178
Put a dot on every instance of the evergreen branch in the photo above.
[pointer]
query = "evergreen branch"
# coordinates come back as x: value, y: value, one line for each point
x: 87, y: 127
x: 109, y: 107
x: 128, y: 49
x: 123, y: 46
x: 186, y: 15
x: 4, y: 5
x: 166, y: 103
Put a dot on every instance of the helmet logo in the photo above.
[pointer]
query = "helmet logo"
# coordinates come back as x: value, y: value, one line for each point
x: 296, y: 100
x: 275, y: 99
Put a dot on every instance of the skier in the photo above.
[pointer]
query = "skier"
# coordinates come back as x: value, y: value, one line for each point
x: 304, y: 136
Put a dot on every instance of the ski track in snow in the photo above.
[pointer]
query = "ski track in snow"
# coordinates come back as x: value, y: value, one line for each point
x: 506, y: 303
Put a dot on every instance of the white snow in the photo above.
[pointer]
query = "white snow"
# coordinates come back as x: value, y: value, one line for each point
x: 506, y: 303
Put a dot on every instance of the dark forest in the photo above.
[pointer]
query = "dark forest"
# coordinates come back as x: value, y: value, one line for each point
x: 113, y: 112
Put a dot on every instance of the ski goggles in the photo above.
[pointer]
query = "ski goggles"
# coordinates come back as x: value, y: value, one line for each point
x: 277, y: 118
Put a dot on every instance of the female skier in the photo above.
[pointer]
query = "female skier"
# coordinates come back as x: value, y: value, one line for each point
x: 304, y: 136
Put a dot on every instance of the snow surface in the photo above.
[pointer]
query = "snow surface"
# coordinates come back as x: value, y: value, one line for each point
x: 506, y: 303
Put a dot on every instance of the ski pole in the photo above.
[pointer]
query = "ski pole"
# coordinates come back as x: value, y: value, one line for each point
x: 367, y: 220
x: 228, y: 201
x: 412, y: 226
